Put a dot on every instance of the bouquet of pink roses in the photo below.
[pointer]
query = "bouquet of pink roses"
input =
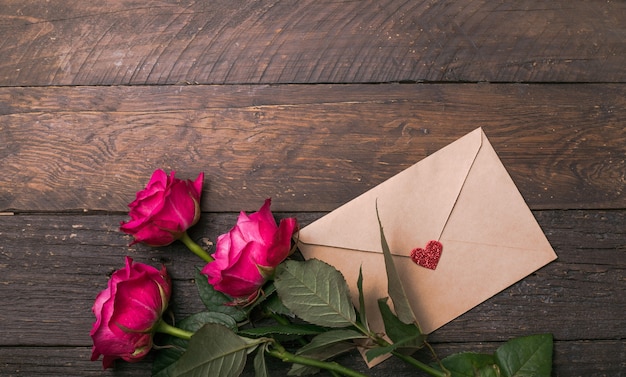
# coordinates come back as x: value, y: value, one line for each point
x: 308, y: 302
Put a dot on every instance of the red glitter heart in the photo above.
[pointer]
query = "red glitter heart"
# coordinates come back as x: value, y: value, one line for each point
x: 429, y: 256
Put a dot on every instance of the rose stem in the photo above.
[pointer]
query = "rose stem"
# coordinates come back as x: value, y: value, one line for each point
x: 282, y: 354
x: 175, y: 331
x: 195, y: 248
x: 410, y: 360
x: 420, y: 365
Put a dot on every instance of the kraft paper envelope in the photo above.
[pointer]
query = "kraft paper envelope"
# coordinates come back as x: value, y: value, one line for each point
x: 462, y: 196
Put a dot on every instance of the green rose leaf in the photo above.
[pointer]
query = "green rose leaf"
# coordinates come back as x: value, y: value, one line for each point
x: 323, y: 347
x: 329, y: 352
x: 395, y: 289
x: 362, y: 314
x: 273, y: 304
x: 398, y: 331
x: 214, y: 350
x: 488, y: 371
x: 194, y: 322
x: 528, y: 356
x: 173, y: 347
x: 469, y: 364
x: 291, y: 329
x: 216, y: 301
x: 267, y: 291
x: 325, y: 339
x: 166, y: 357
x: 260, y: 367
x: 316, y: 292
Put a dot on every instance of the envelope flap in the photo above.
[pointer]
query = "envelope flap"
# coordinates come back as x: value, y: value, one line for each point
x: 414, y: 205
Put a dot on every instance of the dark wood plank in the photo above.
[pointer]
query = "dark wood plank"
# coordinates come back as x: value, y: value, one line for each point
x: 170, y: 42
x: 311, y: 148
x: 571, y: 359
x: 92, y: 99
x: 52, y: 267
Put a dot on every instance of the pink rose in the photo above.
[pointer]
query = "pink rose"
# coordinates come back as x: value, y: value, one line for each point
x: 247, y: 255
x: 164, y: 210
x: 128, y: 311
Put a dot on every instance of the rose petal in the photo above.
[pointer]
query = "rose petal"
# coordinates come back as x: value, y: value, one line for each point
x: 134, y: 301
x: 281, y: 246
x: 167, y: 204
x: 264, y: 214
x: 254, y: 243
x: 138, y: 304
x: 196, y: 186
x: 180, y: 209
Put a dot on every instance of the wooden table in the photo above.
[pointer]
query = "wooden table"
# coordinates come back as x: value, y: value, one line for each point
x: 311, y: 103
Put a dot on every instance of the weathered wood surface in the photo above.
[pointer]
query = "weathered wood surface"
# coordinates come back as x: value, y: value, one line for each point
x: 46, y: 255
x: 93, y: 98
x: 592, y: 359
x: 234, y: 42
x: 52, y: 266
x: 92, y: 147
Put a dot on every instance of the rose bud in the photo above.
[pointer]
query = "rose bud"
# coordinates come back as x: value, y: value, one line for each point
x: 164, y: 210
x: 128, y: 312
x: 247, y: 255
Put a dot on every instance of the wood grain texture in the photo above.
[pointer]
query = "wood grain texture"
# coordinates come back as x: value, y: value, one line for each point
x: 311, y: 103
x: 52, y: 266
x: 595, y: 359
x: 311, y: 148
x: 236, y: 42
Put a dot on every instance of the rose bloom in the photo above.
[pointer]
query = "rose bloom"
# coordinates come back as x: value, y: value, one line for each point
x: 164, y: 210
x: 247, y: 255
x: 128, y: 311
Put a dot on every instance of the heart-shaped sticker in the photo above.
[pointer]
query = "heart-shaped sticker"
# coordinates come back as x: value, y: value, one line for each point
x: 429, y: 256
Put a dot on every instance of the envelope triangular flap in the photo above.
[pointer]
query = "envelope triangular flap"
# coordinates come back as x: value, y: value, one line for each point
x: 491, y: 241
x: 427, y: 190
